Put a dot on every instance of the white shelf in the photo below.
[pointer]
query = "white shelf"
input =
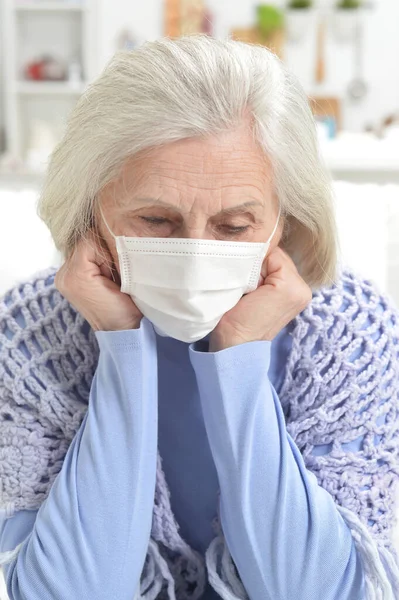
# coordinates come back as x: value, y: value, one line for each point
x: 24, y: 25
x: 362, y: 158
x: 50, y: 88
x: 38, y: 6
x: 361, y: 153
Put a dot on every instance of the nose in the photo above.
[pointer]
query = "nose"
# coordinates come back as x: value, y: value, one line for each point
x: 200, y: 235
x: 195, y: 233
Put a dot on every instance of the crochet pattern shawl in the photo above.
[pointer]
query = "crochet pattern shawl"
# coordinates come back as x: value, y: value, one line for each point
x: 327, y: 398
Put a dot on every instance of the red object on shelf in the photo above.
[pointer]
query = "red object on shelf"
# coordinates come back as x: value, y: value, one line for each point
x: 45, y: 69
x: 35, y: 70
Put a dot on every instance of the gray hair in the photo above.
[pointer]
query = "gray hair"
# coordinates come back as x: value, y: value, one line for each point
x: 169, y: 90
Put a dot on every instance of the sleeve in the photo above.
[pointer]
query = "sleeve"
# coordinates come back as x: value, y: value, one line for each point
x: 90, y: 536
x: 283, y: 530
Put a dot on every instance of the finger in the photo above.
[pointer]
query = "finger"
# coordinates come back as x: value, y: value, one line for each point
x: 83, y: 262
x: 90, y: 252
x: 288, y: 260
x: 105, y: 261
x: 103, y: 258
x: 83, y: 254
x: 273, y: 264
x: 277, y: 259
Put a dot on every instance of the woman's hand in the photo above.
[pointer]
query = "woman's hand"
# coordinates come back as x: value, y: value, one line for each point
x: 85, y: 280
x: 261, y: 314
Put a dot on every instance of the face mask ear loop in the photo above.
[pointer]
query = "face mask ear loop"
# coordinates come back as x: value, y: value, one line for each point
x: 258, y: 265
x: 109, y: 229
x: 275, y: 227
x: 106, y: 224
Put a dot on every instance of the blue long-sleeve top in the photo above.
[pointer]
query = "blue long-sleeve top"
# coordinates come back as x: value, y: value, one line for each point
x: 219, y: 425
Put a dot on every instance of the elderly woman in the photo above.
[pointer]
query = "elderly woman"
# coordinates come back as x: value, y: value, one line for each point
x: 195, y: 217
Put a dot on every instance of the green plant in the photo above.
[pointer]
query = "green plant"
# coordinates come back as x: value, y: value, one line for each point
x: 269, y: 18
x: 349, y: 4
x: 299, y: 4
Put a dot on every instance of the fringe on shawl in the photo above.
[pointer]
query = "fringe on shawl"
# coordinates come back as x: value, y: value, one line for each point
x: 156, y: 576
x: 227, y: 584
x: 381, y: 571
x: 188, y: 572
x: 171, y: 567
x: 9, y: 555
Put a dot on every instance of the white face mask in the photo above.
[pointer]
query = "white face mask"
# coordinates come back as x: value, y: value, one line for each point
x: 185, y: 286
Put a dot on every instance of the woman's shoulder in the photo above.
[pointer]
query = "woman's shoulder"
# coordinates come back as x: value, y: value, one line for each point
x: 45, y: 344
x: 344, y: 357
x: 41, y: 284
x: 24, y: 307
x: 351, y: 306
x: 345, y: 327
x: 47, y: 362
x: 18, y: 298
x: 34, y: 310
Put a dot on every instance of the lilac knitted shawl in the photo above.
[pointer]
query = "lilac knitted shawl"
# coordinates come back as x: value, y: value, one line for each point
x: 327, y: 398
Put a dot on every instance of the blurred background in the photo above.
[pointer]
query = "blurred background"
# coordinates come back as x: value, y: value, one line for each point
x: 345, y: 53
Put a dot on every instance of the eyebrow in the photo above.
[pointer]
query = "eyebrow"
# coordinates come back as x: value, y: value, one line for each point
x: 231, y: 210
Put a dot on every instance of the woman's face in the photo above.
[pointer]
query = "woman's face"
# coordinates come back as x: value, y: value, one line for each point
x: 217, y: 188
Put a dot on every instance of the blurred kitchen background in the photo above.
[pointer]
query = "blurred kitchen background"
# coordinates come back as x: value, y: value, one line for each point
x: 345, y: 53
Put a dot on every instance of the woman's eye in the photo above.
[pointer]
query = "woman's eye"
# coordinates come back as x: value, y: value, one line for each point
x: 230, y: 229
x: 155, y: 220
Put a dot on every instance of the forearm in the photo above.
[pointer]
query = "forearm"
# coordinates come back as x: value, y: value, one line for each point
x: 91, y: 534
x: 283, y: 530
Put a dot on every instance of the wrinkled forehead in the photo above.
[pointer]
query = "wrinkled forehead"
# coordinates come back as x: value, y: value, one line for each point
x: 207, y: 174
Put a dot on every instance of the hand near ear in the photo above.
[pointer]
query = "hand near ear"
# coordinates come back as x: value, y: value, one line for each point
x: 86, y: 280
x: 282, y: 294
